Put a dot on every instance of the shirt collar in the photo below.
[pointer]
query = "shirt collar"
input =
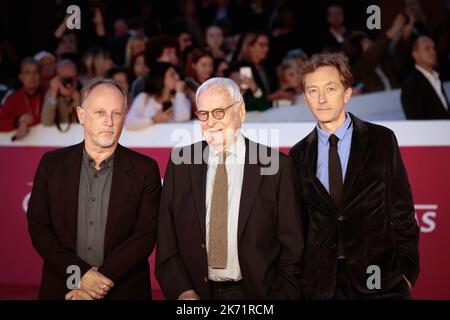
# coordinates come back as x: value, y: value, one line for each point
x: 90, y: 161
x: 340, y: 132
x: 427, y: 73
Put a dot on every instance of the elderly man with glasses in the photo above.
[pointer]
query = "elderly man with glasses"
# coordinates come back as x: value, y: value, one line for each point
x: 229, y: 223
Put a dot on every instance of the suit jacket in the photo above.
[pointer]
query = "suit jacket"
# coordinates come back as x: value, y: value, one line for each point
x: 420, y: 101
x: 375, y: 221
x: 130, y: 228
x: 270, y: 240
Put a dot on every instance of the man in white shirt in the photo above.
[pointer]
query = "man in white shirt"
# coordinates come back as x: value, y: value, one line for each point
x: 229, y: 224
x: 423, y: 96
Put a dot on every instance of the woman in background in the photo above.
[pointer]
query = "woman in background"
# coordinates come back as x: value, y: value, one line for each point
x: 163, y: 99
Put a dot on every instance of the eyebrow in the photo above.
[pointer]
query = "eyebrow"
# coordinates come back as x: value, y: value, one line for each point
x: 326, y: 84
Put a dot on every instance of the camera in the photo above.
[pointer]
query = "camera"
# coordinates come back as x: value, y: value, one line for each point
x: 67, y: 82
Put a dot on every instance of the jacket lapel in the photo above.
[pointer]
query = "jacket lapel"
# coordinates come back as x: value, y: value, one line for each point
x: 120, y: 187
x: 198, y: 185
x: 357, y: 149
x: 311, y: 160
x: 70, y: 184
x: 250, y: 185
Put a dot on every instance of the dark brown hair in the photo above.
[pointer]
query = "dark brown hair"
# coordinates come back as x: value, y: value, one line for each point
x: 337, y: 60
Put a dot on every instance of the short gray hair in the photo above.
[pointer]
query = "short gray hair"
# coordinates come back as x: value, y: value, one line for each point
x: 91, y: 84
x: 229, y: 85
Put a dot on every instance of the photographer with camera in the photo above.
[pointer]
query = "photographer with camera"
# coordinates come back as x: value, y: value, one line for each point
x: 62, y: 97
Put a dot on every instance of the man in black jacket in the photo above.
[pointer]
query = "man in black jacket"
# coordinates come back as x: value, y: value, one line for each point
x: 93, y: 208
x: 423, y: 96
x: 362, y: 236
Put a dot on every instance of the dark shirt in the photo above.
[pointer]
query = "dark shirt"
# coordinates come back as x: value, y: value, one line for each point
x: 93, y: 201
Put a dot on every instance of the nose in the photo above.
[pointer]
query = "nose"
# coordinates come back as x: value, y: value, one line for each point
x: 322, y: 97
x: 109, y: 120
x: 211, y: 121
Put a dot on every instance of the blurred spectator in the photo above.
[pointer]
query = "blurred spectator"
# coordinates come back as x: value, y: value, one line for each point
x: 255, y: 47
x: 121, y: 76
x: 158, y: 104
x: 160, y: 48
x: 199, y: 68
x: 226, y: 13
x: 120, y: 27
x: 184, y: 41
x: 284, y: 35
x: 138, y: 67
x: 93, y: 32
x: 334, y: 36
x: 423, y: 96
x: 47, y: 63
x: 220, y: 66
x: 62, y: 98
x: 95, y: 63
x: 254, y: 99
x: 136, y: 44
x: 413, y: 10
x: 185, y: 45
x: 22, y: 108
x: 68, y: 47
x: 297, y: 57
x: 374, y: 66
x: 214, y: 41
x: 189, y: 20
x: 118, y: 42
x: 289, y: 81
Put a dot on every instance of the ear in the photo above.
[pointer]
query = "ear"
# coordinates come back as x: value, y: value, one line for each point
x: 21, y: 77
x: 347, y: 94
x: 81, y: 114
x: 414, y: 55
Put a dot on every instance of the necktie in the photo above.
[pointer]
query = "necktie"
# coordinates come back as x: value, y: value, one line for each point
x: 218, y: 223
x: 334, y: 170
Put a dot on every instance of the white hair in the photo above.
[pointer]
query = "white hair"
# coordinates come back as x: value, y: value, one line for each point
x: 227, y: 84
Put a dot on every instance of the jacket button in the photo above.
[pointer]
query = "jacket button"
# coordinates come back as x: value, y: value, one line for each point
x: 340, y: 217
x: 205, y: 279
x: 203, y: 246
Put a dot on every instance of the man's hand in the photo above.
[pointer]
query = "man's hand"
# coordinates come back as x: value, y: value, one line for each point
x: 95, y: 284
x: 77, y: 294
x: 189, y: 295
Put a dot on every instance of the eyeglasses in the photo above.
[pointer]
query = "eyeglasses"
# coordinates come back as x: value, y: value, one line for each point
x: 217, y: 113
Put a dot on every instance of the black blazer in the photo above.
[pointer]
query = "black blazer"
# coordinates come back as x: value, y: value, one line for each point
x: 420, y: 101
x: 376, y: 217
x: 130, y: 229
x: 270, y: 240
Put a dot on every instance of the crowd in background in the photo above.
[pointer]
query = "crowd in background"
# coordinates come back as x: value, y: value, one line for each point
x: 161, y: 58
